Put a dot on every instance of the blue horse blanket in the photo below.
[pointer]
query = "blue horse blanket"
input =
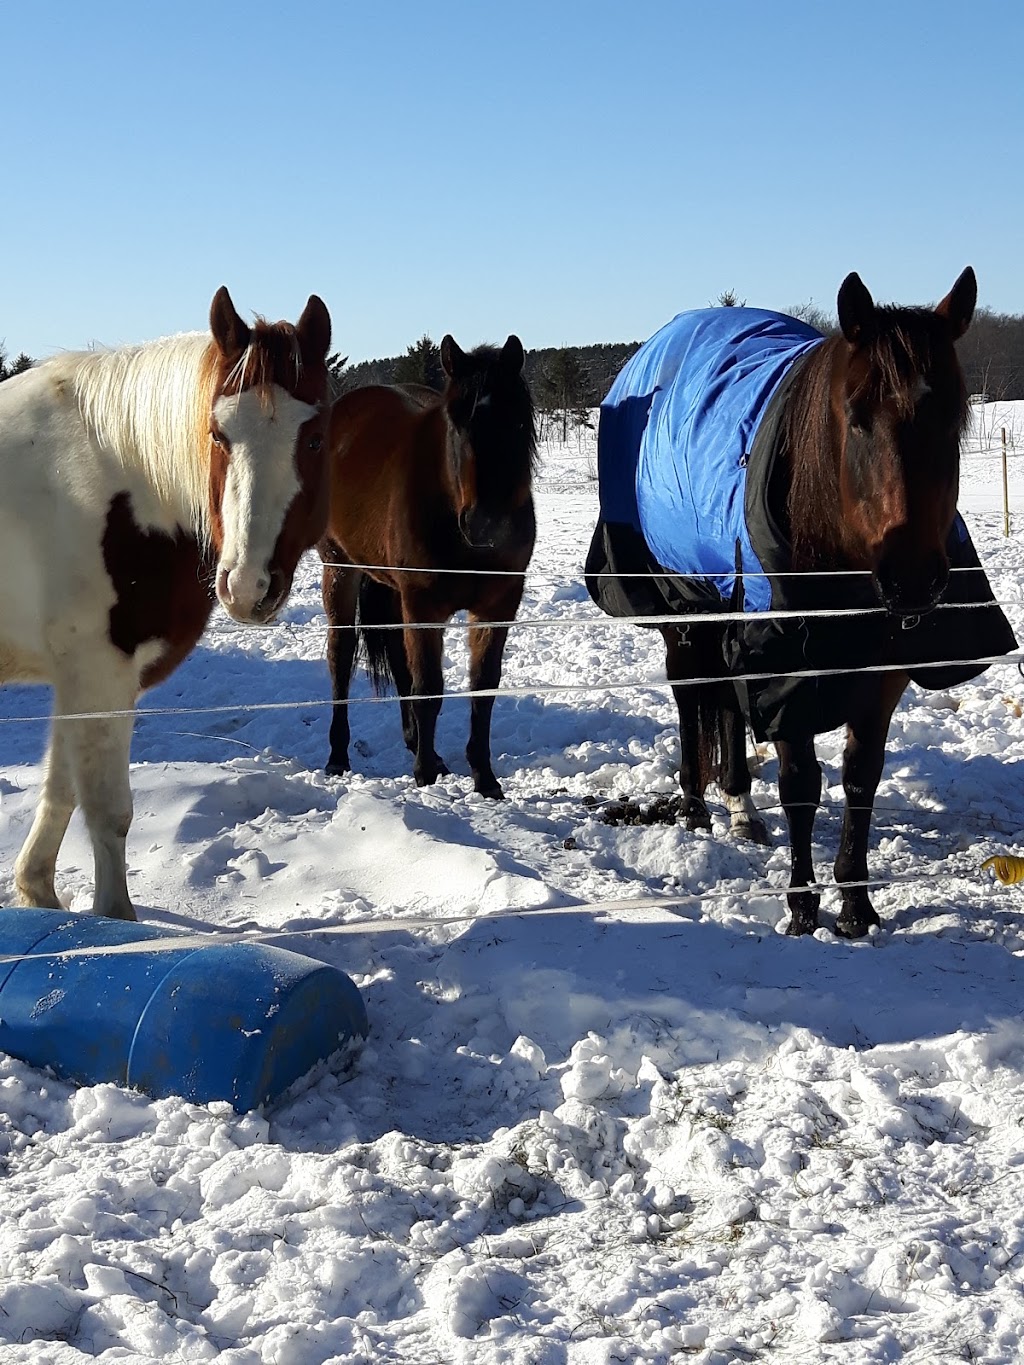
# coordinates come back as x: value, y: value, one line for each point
x: 693, y: 499
x: 676, y: 432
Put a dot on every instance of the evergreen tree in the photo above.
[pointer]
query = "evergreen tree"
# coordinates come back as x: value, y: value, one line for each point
x: 563, y: 390
x: 10, y: 367
x: 421, y: 364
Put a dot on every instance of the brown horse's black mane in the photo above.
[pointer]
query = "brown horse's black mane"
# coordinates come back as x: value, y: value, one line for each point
x: 907, y: 345
x: 493, y: 406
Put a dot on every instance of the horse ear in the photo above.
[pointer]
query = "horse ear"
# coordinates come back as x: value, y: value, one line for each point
x: 513, y: 357
x: 229, y: 331
x: 958, y: 305
x: 856, y: 310
x: 452, y: 355
x: 314, y: 328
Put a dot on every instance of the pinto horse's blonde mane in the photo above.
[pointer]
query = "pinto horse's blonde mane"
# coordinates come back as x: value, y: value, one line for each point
x: 149, y: 406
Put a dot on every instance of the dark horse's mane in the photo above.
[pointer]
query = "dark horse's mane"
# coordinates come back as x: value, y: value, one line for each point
x: 506, y: 429
x: 908, y: 343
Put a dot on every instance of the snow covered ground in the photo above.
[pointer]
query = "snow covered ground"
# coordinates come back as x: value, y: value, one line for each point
x: 574, y: 1135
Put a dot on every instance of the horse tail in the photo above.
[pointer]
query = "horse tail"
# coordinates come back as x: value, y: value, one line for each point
x: 379, y: 606
x: 689, y: 653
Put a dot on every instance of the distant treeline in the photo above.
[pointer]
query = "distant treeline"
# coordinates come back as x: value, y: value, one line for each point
x: 578, y: 377
x: 580, y: 374
x: 992, y: 354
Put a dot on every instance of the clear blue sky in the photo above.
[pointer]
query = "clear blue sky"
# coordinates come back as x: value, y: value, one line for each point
x: 570, y: 171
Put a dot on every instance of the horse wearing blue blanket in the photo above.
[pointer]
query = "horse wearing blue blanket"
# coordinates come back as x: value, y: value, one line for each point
x: 748, y: 464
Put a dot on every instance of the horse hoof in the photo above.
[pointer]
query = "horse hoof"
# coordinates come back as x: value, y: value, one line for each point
x: 428, y: 774
x: 492, y: 790
x: 803, y: 914
x: 698, y: 820
x: 336, y: 769
x: 799, y: 925
x: 848, y: 926
x: 126, y: 912
x: 754, y: 830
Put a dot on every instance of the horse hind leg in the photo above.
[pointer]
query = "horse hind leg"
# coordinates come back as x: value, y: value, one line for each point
x: 340, y: 589
x: 36, y: 863
x: 697, y: 720
x: 394, y: 646
x: 423, y: 651
x: 93, y: 754
x: 388, y: 655
x: 734, y: 777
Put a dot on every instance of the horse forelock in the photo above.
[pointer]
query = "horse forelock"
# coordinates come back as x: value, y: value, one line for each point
x: 494, y: 408
x: 273, y: 358
x: 911, y: 353
x: 149, y: 406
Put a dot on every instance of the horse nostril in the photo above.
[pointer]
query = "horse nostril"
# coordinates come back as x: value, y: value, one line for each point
x: 478, y: 528
x: 271, y: 600
x: 940, y: 582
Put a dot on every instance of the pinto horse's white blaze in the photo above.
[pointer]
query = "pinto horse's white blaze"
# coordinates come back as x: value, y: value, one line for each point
x: 112, y: 501
x: 260, y: 430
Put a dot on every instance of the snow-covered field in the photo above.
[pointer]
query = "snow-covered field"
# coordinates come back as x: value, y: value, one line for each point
x: 574, y: 1135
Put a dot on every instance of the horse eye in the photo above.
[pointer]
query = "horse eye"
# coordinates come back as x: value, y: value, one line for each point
x: 216, y: 437
x: 315, y: 442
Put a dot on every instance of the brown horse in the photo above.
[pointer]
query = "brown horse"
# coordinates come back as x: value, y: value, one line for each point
x: 861, y: 474
x: 431, y: 506
x: 873, y: 430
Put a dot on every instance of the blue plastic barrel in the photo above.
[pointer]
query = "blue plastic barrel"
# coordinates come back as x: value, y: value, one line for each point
x: 239, y: 1022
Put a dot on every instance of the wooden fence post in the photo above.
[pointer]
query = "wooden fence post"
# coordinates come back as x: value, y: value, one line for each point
x: 1006, y: 491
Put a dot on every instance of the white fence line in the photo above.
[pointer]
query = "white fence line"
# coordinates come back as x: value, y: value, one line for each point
x: 545, y: 689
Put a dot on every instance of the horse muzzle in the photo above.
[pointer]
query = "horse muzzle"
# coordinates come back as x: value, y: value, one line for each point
x: 483, y: 532
x: 252, y: 598
x: 913, y: 598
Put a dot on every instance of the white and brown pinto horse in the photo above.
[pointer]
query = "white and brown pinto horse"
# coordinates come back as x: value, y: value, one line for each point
x: 137, y: 486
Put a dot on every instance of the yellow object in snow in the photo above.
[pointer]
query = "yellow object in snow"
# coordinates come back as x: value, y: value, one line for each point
x: 1009, y: 869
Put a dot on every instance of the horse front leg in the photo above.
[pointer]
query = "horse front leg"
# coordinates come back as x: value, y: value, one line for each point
x: 863, y: 761
x: 340, y: 590
x: 486, y: 648
x: 800, y: 792
x: 423, y: 651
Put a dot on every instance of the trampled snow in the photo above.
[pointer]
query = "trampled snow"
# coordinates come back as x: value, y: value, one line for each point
x: 575, y: 1134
